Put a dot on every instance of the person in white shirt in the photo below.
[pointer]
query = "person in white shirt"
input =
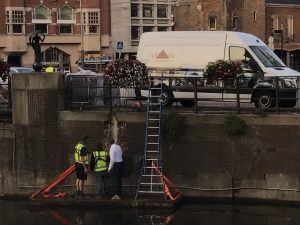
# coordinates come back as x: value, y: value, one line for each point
x: 116, y: 166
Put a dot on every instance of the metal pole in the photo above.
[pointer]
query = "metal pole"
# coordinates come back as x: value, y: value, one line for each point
x: 81, y: 34
x: 281, y: 53
x: 100, y: 39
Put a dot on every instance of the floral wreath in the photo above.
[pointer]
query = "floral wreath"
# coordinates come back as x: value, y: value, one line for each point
x: 126, y: 73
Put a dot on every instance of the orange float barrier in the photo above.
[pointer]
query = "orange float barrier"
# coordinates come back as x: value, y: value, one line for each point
x: 49, y: 187
x: 167, y: 184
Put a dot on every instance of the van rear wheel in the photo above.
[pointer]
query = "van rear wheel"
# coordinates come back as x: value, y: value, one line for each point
x: 264, y: 100
x: 166, y: 97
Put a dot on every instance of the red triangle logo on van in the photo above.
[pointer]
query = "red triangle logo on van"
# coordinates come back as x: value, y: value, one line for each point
x: 162, y: 55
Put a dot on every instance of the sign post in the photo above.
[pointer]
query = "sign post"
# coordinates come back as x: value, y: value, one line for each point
x: 120, y: 47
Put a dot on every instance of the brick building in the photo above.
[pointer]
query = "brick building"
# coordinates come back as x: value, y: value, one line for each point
x: 283, y: 24
x: 60, y: 21
x: 236, y: 15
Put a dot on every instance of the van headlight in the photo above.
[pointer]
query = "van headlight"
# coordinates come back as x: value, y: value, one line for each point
x: 289, y: 83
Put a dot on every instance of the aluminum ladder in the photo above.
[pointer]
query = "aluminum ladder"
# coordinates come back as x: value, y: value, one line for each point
x: 150, y: 181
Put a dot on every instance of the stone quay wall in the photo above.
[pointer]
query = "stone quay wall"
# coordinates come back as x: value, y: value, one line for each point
x: 263, y: 163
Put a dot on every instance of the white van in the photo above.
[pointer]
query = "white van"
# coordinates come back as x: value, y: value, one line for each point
x: 191, y: 51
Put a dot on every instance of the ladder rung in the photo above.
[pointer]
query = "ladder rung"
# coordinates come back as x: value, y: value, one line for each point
x: 152, y: 159
x: 154, y: 111
x: 153, y: 127
x: 151, y: 183
x: 151, y: 175
x: 152, y: 135
x: 152, y: 167
x: 152, y: 151
x: 155, y: 88
x: 153, y: 119
x: 153, y: 143
x: 152, y: 192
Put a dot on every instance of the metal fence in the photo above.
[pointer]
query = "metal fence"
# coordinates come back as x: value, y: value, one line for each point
x: 5, y: 101
x: 93, y: 92
x: 195, y: 93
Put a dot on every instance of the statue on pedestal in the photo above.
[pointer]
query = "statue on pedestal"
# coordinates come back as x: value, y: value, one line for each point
x: 35, y: 39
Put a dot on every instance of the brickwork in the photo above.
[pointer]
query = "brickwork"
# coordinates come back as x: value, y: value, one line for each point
x: 69, y: 42
x: 194, y: 15
x: 282, y: 13
x: 204, y: 157
x: 266, y: 156
x: 254, y: 24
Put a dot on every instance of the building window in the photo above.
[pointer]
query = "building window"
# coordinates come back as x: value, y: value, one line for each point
x: 134, y: 10
x: 41, y: 13
x: 162, y: 11
x: 147, y: 10
x: 41, y: 27
x: 234, y: 23
x: 147, y: 29
x: 65, y: 29
x: 254, y: 15
x: 135, y: 33
x: 289, y: 27
x: 66, y: 14
x: 15, y: 22
x: 274, y: 22
x: 91, y: 22
x: 212, y: 23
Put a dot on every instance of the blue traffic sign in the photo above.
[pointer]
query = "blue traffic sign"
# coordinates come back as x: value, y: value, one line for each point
x: 120, y: 45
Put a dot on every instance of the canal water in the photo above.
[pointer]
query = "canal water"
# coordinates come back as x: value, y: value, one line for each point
x: 18, y: 213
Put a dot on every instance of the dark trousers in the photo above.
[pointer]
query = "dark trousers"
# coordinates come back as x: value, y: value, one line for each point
x: 118, y: 173
x: 101, y: 177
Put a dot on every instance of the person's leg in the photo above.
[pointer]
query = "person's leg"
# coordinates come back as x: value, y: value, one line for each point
x: 82, y: 178
x: 104, y: 182
x: 77, y: 166
x: 118, y: 176
x: 98, y: 180
x: 77, y: 188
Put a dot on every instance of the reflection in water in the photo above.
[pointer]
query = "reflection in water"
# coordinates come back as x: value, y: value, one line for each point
x: 18, y: 213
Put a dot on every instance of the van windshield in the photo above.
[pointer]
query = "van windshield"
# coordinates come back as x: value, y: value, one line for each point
x: 267, y: 56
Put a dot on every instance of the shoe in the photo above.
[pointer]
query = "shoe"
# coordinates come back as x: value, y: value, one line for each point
x: 116, y: 197
x: 77, y: 194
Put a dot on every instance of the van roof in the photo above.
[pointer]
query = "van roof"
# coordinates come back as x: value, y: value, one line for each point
x: 201, y: 37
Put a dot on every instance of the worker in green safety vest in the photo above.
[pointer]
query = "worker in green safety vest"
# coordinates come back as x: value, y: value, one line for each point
x: 81, y: 165
x: 49, y: 69
x: 99, y: 164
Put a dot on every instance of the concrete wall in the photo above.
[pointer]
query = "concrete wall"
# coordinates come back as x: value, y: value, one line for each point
x: 39, y: 145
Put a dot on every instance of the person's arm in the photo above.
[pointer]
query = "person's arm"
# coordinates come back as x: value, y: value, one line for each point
x: 112, y: 159
x: 83, y: 153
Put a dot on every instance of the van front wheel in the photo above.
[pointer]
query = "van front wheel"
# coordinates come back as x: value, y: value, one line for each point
x: 264, y: 100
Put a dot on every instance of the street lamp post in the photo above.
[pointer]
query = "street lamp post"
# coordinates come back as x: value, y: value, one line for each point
x: 81, y: 35
x: 100, y: 53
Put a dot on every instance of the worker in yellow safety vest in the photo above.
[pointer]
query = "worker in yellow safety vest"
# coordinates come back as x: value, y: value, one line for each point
x: 49, y: 69
x: 99, y: 163
x: 81, y: 165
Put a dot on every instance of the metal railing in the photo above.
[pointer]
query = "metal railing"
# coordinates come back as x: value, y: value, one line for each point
x: 190, y: 92
x: 93, y: 92
x: 85, y: 92
x: 5, y: 101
